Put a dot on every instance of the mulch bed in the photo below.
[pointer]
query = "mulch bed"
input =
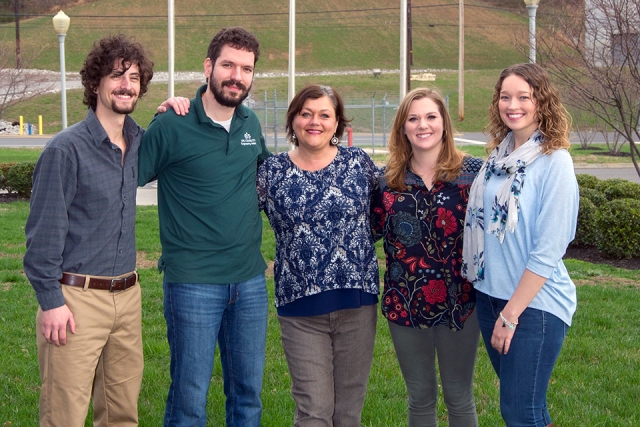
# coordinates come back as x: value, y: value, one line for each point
x: 582, y: 253
x: 590, y: 254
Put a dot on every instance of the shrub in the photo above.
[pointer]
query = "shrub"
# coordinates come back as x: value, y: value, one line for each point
x: 587, y: 181
x: 604, y: 185
x: 595, y: 196
x: 19, y: 178
x: 618, y: 224
x: 586, y: 232
x: 4, y: 168
x: 622, y: 190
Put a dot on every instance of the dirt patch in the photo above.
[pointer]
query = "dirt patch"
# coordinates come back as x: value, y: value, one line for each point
x: 591, y: 254
x: 143, y: 260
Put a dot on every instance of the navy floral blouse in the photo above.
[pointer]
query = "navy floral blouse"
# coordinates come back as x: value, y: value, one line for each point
x: 321, y: 224
x: 422, y: 232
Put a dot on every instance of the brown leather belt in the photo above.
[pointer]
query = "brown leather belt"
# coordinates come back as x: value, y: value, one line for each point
x: 103, y: 283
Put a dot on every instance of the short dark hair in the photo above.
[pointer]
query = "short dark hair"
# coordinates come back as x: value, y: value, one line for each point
x: 235, y: 37
x: 315, y: 91
x: 99, y: 64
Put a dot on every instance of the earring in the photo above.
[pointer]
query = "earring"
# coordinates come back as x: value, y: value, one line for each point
x: 294, y: 138
x: 334, y: 140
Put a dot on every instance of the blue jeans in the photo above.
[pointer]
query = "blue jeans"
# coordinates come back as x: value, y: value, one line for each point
x: 525, y: 370
x: 198, y: 315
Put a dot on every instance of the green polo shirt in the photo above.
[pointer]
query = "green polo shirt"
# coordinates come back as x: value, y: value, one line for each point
x: 210, y: 225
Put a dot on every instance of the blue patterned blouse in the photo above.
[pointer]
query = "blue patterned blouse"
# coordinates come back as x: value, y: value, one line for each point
x: 321, y: 224
x: 422, y: 231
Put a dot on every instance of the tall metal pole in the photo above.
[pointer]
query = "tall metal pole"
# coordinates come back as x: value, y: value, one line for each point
x: 292, y: 50
x: 461, y: 65
x: 17, y: 17
x: 171, y: 48
x: 403, y: 49
x: 61, y: 24
x: 63, y: 81
x: 532, y: 9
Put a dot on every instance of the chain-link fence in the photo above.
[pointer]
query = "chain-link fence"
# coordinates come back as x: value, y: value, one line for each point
x: 371, y: 117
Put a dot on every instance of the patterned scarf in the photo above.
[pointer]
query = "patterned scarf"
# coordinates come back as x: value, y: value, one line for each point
x: 504, y: 212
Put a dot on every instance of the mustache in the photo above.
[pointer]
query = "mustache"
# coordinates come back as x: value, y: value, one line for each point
x: 124, y: 92
x: 237, y: 83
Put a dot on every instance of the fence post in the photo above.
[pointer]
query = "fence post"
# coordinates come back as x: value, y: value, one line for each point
x: 21, y: 124
x: 384, y: 120
x: 40, y: 125
x: 275, y: 119
x: 349, y: 137
x: 373, y: 124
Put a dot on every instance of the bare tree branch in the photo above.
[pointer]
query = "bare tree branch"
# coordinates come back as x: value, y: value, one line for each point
x: 593, y: 53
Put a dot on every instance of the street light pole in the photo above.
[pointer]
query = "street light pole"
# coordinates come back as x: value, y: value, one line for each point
x: 532, y: 8
x: 61, y: 24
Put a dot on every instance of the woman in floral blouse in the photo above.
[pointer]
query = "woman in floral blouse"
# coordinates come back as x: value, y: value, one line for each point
x: 418, y: 209
x: 317, y: 198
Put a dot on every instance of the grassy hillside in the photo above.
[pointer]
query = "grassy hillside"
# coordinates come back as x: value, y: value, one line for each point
x: 331, y: 34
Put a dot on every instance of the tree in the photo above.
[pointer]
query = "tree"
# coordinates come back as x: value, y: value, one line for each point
x: 593, y: 53
x: 21, y: 84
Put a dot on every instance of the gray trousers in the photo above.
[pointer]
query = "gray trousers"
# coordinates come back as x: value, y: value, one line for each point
x: 329, y: 359
x: 416, y: 351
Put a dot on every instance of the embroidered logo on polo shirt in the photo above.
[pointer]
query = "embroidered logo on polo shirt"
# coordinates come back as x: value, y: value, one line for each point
x: 247, y: 140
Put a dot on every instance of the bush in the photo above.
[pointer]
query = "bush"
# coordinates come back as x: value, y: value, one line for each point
x: 618, y: 224
x: 4, y: 169
x: 595, y: 196
x: 586, y: 232
x: 587, y: 181
x: 19, y: 178
x: 604, y: 185
x: 622, y: 190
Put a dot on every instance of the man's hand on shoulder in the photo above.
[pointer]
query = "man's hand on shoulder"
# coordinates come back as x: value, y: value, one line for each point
x: 54, y: 325
x: 180, y: 105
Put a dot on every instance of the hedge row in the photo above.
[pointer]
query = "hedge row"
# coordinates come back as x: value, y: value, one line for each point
x: 17, y: 177
x: 609, y: 216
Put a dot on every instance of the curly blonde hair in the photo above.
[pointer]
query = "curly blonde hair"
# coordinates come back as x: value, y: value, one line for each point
x: 554, y: 122
x: 450, y: 159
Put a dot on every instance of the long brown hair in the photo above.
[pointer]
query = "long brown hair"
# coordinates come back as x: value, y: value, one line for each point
x: 554, y: 121
x: 400, y: 151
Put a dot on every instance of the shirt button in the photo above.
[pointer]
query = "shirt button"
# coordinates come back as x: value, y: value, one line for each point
x: 120, y: 251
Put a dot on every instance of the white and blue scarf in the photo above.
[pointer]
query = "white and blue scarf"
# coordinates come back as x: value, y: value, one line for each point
x: 503, y: 217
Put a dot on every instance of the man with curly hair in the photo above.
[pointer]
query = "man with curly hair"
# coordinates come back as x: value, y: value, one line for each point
x: 81, y: 252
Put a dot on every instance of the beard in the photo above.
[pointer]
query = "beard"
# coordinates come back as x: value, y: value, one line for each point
x: 124, y: 108
x: 217, y: 89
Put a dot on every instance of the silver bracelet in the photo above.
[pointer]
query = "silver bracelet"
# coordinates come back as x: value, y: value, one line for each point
x: 505, y: 322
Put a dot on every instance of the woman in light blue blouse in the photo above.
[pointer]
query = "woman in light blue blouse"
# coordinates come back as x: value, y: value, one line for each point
x: 317, y: 198
x: 521, y: 216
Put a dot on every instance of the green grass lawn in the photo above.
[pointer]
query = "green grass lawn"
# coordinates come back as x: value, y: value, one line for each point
x: 595, y: 382
x: 596, y: 154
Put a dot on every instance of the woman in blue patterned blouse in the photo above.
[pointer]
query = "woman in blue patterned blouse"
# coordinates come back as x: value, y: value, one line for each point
x: 317, y: 198
x: 419, y: 209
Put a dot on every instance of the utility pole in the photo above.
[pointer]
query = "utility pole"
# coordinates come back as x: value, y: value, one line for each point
x: 409, y: 45
x: 17, y: 16
x: 461, y: 65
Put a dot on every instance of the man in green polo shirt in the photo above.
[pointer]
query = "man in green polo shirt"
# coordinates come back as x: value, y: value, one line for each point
x: 211, y: 229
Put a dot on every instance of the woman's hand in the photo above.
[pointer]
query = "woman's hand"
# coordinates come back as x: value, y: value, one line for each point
x: 502, y: 337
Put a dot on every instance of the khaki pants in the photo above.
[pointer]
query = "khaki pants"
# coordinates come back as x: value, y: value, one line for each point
x: 103, y: 358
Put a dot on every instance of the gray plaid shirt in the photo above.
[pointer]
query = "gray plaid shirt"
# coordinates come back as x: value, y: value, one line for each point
x: 83, y: 208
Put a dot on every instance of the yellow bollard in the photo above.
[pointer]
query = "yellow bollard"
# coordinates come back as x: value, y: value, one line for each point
x: 21, y: 123
x: 39, y: 125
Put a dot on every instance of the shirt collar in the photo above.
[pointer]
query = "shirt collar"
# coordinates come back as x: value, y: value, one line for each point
x: 99, y: 135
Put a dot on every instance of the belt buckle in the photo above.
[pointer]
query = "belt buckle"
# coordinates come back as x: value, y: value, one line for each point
x: 115, y: 281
